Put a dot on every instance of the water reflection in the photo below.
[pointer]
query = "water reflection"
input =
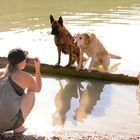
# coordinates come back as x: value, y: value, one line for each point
x: 63, y: 100
x: 87, y: 93
x: 88, y: 99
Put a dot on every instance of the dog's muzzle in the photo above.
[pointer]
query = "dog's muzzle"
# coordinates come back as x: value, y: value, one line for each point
x: 76, y: 44
x: 54, y: 31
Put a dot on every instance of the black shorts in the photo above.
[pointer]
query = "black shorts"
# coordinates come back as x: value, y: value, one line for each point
x: 19, y: 121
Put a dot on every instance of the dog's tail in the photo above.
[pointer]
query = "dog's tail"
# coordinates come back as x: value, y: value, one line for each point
x: 113, y: 56
x: 114, y: 67
x: 111, y: 68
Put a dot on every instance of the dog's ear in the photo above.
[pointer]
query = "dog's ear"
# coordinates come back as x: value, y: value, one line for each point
x: 51, y: 19
x: 60, y: 20
x: 87, y: 38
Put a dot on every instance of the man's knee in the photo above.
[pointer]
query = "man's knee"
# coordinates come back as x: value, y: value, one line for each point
x: 27, y: 103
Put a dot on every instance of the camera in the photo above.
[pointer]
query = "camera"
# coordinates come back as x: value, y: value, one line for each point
x: 30, y: 61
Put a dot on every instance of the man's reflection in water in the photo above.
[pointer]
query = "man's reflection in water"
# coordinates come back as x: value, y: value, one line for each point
x: 63, y: 99
x: 88, y: 99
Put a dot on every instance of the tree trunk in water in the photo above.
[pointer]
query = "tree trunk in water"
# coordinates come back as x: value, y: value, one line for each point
x: 70, y: 71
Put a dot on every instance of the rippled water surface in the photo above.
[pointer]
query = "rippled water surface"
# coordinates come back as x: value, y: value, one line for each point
x: 70, y: 103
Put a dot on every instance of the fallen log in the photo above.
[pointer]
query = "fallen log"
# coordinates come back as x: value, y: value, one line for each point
x: 70, y: 71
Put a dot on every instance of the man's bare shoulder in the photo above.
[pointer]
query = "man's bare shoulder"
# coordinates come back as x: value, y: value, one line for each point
x: 22, y: 74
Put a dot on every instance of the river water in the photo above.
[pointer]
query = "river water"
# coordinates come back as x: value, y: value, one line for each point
x: 72, y: 103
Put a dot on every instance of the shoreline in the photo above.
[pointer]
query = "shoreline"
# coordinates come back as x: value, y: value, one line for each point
x: 71, y: 135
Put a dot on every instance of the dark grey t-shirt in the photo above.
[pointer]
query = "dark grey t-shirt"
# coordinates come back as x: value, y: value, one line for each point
x: 9, y: 105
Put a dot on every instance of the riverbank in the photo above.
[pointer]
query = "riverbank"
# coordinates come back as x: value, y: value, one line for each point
x: 72, y: 136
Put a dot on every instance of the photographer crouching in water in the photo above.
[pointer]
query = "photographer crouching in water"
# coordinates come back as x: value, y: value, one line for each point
x: 17, y: 91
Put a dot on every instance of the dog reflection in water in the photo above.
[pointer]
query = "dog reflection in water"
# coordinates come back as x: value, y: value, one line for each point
x: 63, y: 100
x: 88, y: 99
x: 86, y: 93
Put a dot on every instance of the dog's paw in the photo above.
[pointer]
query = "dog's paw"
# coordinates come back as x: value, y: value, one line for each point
x: 68, y: 65
x: 56, y: 65
x: 89, y: 70
x: 77, y: 68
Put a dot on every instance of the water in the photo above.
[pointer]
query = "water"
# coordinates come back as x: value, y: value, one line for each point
x: 70, y: 103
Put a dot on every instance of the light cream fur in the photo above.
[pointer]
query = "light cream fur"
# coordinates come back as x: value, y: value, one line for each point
x: 92, y: 46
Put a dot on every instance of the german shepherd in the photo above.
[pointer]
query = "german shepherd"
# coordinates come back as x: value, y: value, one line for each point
x: 64, y: 41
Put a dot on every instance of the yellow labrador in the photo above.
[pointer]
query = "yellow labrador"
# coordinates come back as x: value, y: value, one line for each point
x: 92, y: 46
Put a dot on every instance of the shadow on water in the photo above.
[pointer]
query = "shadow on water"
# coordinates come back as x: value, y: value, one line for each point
x: 76, y: 99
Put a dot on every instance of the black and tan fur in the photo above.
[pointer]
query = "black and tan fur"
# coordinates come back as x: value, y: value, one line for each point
x: 64, y: 41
